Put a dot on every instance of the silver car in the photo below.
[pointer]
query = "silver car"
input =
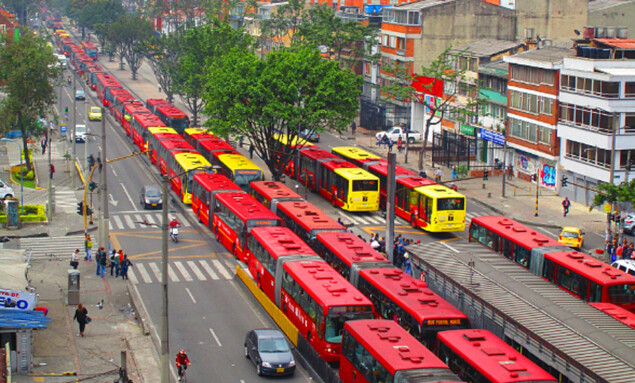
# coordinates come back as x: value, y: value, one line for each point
x: 151, y: 197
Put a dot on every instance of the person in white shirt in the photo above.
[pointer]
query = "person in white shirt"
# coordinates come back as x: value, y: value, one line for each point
x: 75, y: 259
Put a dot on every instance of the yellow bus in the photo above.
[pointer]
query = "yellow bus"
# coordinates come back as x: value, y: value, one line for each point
x: 434, y: 208
x: 181, y: 169
x: 238, y: 168
x: 348, y: 187
x: 295, y: 143
x: 359, y: 157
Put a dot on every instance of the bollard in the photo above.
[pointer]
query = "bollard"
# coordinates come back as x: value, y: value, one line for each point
x: 483, y: 186
x: 489, y: 195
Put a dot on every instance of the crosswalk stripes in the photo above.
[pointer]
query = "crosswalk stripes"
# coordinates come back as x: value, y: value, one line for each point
x: 188, y: 271
x: 369, y: 219
x: 65, y: 200
x: 132, y: 220
x: 42, y: 247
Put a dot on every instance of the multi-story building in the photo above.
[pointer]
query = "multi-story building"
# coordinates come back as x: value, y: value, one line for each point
x: 8, y: 24
x: 532, y: 111
x: 492, y: 78
x: 596, y: 125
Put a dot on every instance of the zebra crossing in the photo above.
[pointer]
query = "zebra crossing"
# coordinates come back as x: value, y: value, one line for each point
x: 43, y: 247
x: 180, y: 271
x: 367, y: 219
x: 132, y: 220
x: 65, y: 200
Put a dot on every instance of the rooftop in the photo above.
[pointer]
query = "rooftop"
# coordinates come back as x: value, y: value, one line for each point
x: 487, y: 47
x: 596, y: 5
x: 545, y: 57
x: 422, y: 4
x: 617, y: 43
x: 495, y: 68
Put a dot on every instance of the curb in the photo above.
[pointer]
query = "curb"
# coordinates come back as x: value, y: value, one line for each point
x: 144, y: 317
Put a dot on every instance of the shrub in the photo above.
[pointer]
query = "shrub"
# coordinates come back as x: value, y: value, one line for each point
x: 31, y: 213
x: 461, y: 171
x: 28, y: 175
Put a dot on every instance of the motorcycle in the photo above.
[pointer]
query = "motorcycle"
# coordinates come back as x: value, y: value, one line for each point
x: 174, y: 234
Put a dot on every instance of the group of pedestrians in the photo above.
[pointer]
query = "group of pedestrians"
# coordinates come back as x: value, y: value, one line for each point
x: 401, y: 258
x: 617, y: 251
x: 117, y: 261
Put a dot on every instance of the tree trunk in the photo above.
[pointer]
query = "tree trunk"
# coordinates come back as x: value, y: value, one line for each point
x: 424, y: 147
x: 25, y: 146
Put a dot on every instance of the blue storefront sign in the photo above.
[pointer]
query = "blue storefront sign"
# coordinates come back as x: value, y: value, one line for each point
x: 63, y: 128
x: 496, y: 138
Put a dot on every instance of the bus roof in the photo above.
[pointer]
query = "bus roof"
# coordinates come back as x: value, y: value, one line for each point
x: 198, y: 131
x: 392, y: 346
x: 497, y: 361
x: 148, y: 120
x: 179, y: 144
x: 245, y: 206
x: 338, y: 163
x: 350, y: 248
x: 157, y: 101
x: 415, y: 182
x: 357, y: 174
x: 412, y: 295
x: 619, y: 313
x: 325, y: 285
x: 106, y: 77
x: 190, y: 161
x: 237, y: 161
x: 162, y: 130
x: 88, y: 44
x: 521, y: 234
x: 355, y: 153
x: 591, y: 268
x: 210, y: 181
x: 281, y: 241
x: 136, y: 107
x: 171, y: 111
x: 167, y: 136
x: 382, y: 168
x: 315, y: 153
x: 124, y: 98
x: 213, y: 144
x: 439, y: 191
x: 120, y: 92
x: 273, y: 190
x: 296, y: 141
x: 309, y: 216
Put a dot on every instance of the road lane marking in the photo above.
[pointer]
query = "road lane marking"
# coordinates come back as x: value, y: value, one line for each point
x: 546, y: 231
x: 172, y: 274
x: 144, y: 273
x: 209, y: 269
x: 150, y: 219
x: 183, y: 271
x: 221, y: 269
x: 156, y: 271
x: 215, y: 337
x: 118, y: 222
x: 134, y: 206
x: 199, y: 274
x: 190, y: 294
x: 138, y: 218
x: 449, y: 247
x: 132, y: 276
x: 129, y: 221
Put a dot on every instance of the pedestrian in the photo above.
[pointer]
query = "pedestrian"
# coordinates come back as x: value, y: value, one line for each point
x: 453, y: 172
x: 384, y: 141
x: 75, y: 259
x: 407, y: 265
x: 116, y: 263
x: 43, y: 144
x: 51, y: 170
x: 251, y: 151
x: 125, y: 264
x: 613, y: 251
x: 374, y: 244
x: 88, y: 243
x: 99, y: 164
x: 101, y: 259
x: 438, y: 175
x: 339, y: 220
x: 353, y: 127
x: 378, y: 142
x: 81, y: 316
x: 390, y: 143
x: 631, y: 251
x: 510, y: 172
x: 565, y: 204
x: 399, y: 144
x: 113, y: 265
x: 619, y: 251
x: 628, y: 251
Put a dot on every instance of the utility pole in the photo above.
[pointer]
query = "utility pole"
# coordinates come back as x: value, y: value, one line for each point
x: 616, y: 124
x: 390, y: 206
x: 537, y: 190
x: 50, y: 183
x: 504, y: 168
x: 87, y: 132
x: 104, y: 185
x: 74, y: 132
x: 165, y: 332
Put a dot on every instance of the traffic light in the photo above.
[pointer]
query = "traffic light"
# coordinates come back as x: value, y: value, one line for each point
x: 89, y: 211
x: 564, y: 181
x: 91, y: 161
x: 485, y: 175
x: 92, y: 186
x: 80, y: 208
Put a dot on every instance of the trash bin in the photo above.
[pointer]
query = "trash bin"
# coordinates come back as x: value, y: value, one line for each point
x: 73, y: 287
x: 13, y: 216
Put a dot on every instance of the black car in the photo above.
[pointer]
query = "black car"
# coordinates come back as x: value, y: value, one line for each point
x: 270, y: 352
x: 151, y: 197
x: 311, y: 136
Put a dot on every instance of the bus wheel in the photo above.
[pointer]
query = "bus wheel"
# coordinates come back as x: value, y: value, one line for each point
x: 413, y: 221
x: 308, y: 336
x: 216, y: 233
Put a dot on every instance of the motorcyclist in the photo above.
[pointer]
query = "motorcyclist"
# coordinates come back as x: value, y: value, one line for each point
x: 182, y: 361
x: 173, y: 223
x: 69, y: 80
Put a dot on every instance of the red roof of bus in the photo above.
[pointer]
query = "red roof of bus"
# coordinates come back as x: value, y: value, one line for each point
x: 351, y: 248
x: 273, y: 190
x: 171, y: 111
x: 168, y: 136
x: 412, y: 295
x: 88, y: 45
x: 120, y: 92
x: 123, y: 98
x: 281, y: 241
x: 95, y: 68
x: 136, y: 107
x: 317, y: 154
x: 617, y: 312
x: 157, y: 101
x: 211, y: 181
x: 382, y: 168
x: 178, y: 144
x: 325, y: 285
x: 519, y: 233
x: 107, y: 80
x: 338, y: 164
x: 415, y: 182
x: 309, y: 216
x: 149, y: 120
x: 213, y: 144
x: 392, y: 346
x: 495, y: 359
x: 591, y: 268
x: 245, y: 206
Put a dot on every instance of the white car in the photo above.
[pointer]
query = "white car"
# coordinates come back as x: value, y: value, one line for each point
x: 5, y: 190
x: 80, y: 133
x: 397, y: 131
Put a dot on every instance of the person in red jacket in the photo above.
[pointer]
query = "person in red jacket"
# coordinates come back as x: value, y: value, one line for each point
x: 182, y: 361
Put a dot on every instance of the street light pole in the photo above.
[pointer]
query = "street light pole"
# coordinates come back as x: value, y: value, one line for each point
x: 74, y: 132
x: 50, y: 183
x: 165, y: 332
x: 104, y: 186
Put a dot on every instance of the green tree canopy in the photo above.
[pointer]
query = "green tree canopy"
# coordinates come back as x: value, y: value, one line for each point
x: 290, y: 90
x: 27, y: 73
x: 103, y: 12
x: 129, y: 34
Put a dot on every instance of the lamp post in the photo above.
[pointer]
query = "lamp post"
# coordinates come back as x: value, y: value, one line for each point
x: 21, y: 173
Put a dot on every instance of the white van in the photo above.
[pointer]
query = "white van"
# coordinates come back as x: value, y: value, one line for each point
x: 62, y: 60
x: 626, y: 265
x: 5, y: 190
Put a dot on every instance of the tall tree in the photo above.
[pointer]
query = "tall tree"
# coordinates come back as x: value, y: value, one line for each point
x: 284, y: 23
x: 130, y: 34
x: 22, y: 9
x: 99, y: 12
x: 27, y: 74
x: 163, y: 53
x: 290, y: 90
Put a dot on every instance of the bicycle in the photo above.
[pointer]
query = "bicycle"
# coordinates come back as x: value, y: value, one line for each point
x: 183, y: 377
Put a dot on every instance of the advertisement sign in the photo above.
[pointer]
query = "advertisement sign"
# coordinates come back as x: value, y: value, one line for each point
x: 63, y: 128
x: 496, y: 138
x: 16, y: 300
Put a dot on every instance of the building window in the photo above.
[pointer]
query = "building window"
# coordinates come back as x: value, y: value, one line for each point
x: 629, y: 89
x: 531, y: 103
x: 593, y: 87
x: 545, y: 135
x: 402, y: 17
x: 523, y: 130
x: 589, y: 154
x: 468, y: 63
x: 624, y: 154
x: 546, y: 106
x: 535, y: 76
x: 585, y: 118
x: 384, y: 40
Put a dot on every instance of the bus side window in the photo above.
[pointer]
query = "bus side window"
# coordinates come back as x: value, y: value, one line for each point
x: 548, y: 270
x: 595, y: 293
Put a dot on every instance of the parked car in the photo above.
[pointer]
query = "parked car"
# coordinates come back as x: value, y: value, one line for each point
x: 309, y: 135
x: 94, y: 113
x: 5, y: 190
x: 151, y: 197
x: 626, y: 265
x: 80, y: 133
x: 572, y: 237
x: 629, y: 223
x: 80, y: 95
x: 397, y: 131
x: 269, y: 351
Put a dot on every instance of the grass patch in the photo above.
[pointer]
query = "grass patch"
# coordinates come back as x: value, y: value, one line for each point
x: 28, y: 213
x: 15, y: 177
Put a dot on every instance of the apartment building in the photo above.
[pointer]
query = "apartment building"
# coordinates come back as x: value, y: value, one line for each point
x: 532, y: 111
x: 596, y: 126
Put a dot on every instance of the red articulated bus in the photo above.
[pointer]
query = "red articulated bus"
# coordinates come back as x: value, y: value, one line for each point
x: 335, y: 188
x: 235, y: 214
x: 129, y: 111
x: 155, y: 136
x: 90, y: 49
x: 270, y: 193
x: 168, y: 148
x: 139, y: 126
x: 620, y: 314
x: 398, y: 296
x: 208, y: 146
x: 104, y: 83
x: 380, y: 170
x: 82, y: 60
x: 309, y: 166
x: 91, y: 75
x: 116, y: 108
x: 112, y: 94
x: 306, y: 220
x: 204, y: 190
x: 152, y: 104
x: 319, y: 302
x: 347, y: 253
x: 268, y: 248
x: 194, y: 135
x: 480, y: 356
x: 381, y: 351
x: 173, y: 117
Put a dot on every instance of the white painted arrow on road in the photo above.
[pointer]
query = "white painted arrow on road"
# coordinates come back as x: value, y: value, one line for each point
x: 113, y: 201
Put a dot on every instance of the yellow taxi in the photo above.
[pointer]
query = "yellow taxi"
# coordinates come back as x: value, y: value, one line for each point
x: 572, y: 237
x: 94, y: 113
